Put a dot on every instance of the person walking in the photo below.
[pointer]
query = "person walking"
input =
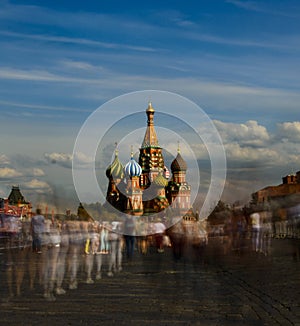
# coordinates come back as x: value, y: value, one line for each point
x: 129, y: 235
x: 37, y: 230
x: 159, y: 232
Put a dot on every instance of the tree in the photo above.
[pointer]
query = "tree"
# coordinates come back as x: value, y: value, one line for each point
x: 221, y: 214
x: 83, y: 214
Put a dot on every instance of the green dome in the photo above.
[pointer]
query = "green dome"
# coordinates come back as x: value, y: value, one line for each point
x: 115, y: 169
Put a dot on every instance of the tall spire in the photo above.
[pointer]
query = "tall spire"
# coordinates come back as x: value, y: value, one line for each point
x: 150, y: 139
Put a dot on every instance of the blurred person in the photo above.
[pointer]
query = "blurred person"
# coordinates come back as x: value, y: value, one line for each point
x: 61, y: 259
x: 256, y: 231
x: 143, y: 230
x: 89, y: 263
x: 239, y: 233
x: 94, y: 247
x: 76, y: 241
x: 104, y: 246
x: 17, y: 262
x: 267, y: 231
x: 50, y: 259
x: 159, y: 231
x: 95, y: 239
x: 47, y: 230
x: 176, y: 234
x: 84, y: 227
x: 87, y: 231
x: 115, y: 239
x: 37, y: 230
x: 12, y: 227
x: 25, y: 234
x: 49, y: 265
x: 98, y: 260
x: 129, y: 235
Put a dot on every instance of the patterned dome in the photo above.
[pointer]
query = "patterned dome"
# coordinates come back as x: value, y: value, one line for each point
x: 115, y: 169
x: 178, y: 164
x: 132, y: 168
x: 160, y: 181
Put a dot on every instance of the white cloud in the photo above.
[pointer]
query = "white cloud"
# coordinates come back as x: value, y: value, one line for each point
x: 31, y: 172
x: 4, y: 160
x: 37, y: 186
x: 220, y: 95
x: 42, y: 107
x: 242, y: 154
x: 65, y: 159
x: 257, y: 157
x: 61, y: 159
x: 78, y: 65
x: 6, y: 173
x: 41, y: 75
x: 263, y: 8
x: 252, y: 143
x: 83, y: 159
x: 37, y: 172
x: 79, y: 41
x: 245, y: 134
x: 289, y: 131
x: 248, y: 5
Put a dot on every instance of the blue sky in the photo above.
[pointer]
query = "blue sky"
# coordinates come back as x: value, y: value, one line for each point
x: 60, y: 60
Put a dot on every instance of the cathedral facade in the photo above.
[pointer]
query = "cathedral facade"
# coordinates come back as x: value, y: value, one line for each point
x: 147, y: 187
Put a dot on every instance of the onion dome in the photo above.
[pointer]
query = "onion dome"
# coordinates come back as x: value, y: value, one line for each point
x: 132, y: 168
x: 179, y: 163
x: 160, y: 181
x: 115, y: 169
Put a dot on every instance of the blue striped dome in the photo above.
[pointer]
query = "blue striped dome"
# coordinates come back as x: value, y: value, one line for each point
x: 132, y: 168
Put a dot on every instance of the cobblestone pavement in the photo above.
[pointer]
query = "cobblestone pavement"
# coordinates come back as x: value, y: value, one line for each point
x: 237, y: 287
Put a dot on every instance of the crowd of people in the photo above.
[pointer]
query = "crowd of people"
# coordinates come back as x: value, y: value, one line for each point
x: 59, y: 253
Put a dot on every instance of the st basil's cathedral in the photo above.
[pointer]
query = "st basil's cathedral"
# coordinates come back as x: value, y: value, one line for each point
x: 146, y: 187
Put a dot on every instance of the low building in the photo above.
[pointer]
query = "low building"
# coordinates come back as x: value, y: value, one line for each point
x: 290, y: 186
x: 15, y: 204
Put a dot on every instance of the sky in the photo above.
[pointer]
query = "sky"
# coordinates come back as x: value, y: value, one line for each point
x: 61, y: 60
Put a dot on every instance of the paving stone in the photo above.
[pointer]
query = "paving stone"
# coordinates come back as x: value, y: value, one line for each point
x: 232, y: 289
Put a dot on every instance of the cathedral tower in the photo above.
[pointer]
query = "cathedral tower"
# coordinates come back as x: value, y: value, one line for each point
x: 115, y: 174
x: 150, y: 159
x: 178, y: 190
x: 134, y: 194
